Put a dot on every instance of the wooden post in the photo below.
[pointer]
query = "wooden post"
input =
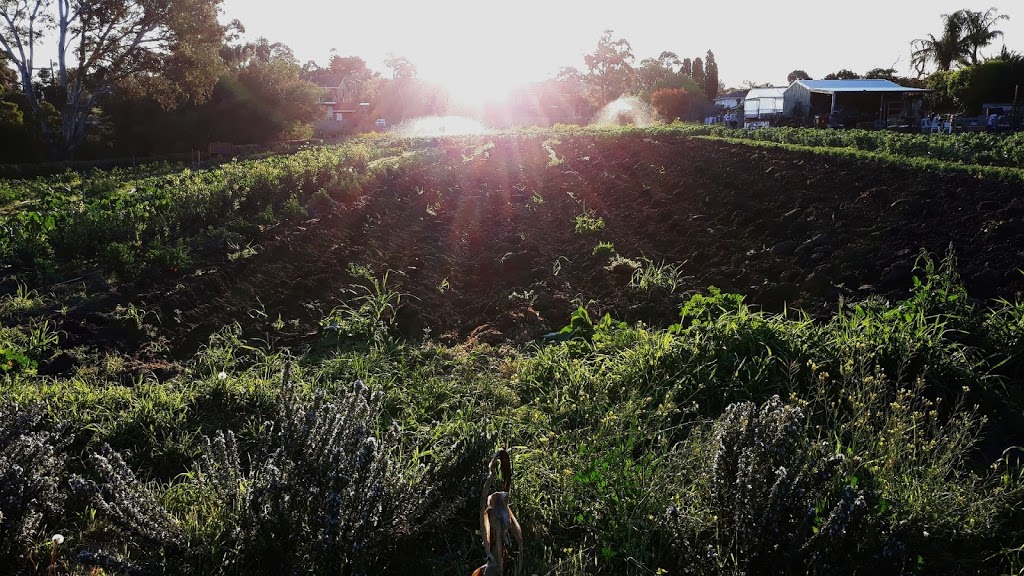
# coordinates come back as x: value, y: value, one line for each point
x: 1015, y: 117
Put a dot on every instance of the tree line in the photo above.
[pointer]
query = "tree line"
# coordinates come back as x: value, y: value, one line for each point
x: 143, y: 78
x: 687, y: 86
x: 132, y: 77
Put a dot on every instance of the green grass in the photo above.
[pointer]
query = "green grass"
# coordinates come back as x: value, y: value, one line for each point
x: 632, y: 446
x: 653, y: 275
x: 604, y: 249
x: 588, y: 222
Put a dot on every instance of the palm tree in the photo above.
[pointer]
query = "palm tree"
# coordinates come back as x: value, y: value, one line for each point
x: 978, y: 29
x: 1010, y: 56
x: 944, y: 51
x: 964, y: 32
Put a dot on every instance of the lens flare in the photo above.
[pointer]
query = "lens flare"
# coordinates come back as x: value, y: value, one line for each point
x: 626, y: 110
x: 440, y: 126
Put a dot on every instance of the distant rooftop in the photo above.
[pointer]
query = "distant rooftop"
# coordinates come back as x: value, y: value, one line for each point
x: 832, y: 86
x: 756, y: 93
x: 325, y: 78
x: 731, y: 95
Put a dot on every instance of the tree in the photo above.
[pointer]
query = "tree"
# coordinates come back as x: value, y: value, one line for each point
x: 944, y: 51
x: 669, y: 60
x: 349, y: 66
x: 991, y: 81
x: 798, y: 75
x: 269, y: 96
x: 881, y: 74
x: 687, y: 67
x: 610, y: 67
x: 711, y: 76
x: 677, y: 80
x: 654, y: 70
x: 698, y: 72
x: 1011, y: 56
x: 672, y: 103
x: 843, y: 74
x: 261, y: 96
x: 165, y: 48
x: 8, y: 78
x: 401, y: 67
x: 15, y: 138
x: 570, y: 86
x: 964, y: 33
x: 978, y: 31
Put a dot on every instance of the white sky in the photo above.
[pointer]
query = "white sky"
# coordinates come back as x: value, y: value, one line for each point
x: 465, y: 43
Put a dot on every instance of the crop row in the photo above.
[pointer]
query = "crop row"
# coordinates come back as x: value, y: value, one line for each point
x: 968, y: 148
x: 159, y: 220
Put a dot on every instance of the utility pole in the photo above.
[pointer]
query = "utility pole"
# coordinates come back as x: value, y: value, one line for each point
x: 1015, y: 121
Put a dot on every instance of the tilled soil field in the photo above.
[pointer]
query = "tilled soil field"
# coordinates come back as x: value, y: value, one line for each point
x: 481, y: 239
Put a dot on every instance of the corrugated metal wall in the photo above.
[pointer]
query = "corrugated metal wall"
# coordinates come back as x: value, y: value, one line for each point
x: 796, y: 93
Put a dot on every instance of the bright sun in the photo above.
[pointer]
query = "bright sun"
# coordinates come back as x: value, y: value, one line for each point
x: 483, y: 62
x: 468, y: 82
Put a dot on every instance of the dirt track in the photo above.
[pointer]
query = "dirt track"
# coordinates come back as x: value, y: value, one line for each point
x: 483, y: 243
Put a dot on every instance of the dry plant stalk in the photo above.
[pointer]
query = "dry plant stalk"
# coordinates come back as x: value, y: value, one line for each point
x: 498, y: 525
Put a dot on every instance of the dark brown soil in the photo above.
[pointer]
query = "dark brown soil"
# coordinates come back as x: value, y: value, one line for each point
x: 483, y: 245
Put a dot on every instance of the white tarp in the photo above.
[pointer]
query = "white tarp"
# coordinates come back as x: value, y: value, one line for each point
x: 763, y: 102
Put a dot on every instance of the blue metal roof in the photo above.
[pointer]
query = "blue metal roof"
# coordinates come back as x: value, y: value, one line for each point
x: 832, y: 86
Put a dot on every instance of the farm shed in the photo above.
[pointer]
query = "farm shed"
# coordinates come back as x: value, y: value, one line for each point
x: 877, y: 102
x: 730, y: 100
x: 763, y: 102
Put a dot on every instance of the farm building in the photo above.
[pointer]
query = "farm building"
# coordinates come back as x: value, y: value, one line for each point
x: 730, y: 100
x: 864, y: 103
x: 339, y: 99
x: 763, y: 103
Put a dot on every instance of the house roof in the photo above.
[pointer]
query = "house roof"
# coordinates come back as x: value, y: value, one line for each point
x: 732, y: 95
x: 756, y: 93
x: 833, y: 86
x: 325, y: 78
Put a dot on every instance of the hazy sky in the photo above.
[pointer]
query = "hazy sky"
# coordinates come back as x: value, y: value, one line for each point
x: 464, y: 42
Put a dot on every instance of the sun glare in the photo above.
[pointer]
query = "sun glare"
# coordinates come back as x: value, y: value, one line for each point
x: 440, y: 126
x: 481, y: 60
x: 467, y: 84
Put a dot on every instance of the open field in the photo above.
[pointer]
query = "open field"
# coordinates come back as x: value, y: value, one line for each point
x: 546, y: 291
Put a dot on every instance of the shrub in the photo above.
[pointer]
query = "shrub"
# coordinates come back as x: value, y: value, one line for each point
x: 662, y: 276
x: 120, y: 260
x: 771, y: 495
x: 321, y: 491
x: 321, y: 203
x: 325, y: 494
x: 604, y: 249
x: 588, y: 221
x: 32, y: 473
x: 293, y: 211
x: 672, y: 103
x: 369, y: 318
x: 168, y: 258
x: 146, y: 538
